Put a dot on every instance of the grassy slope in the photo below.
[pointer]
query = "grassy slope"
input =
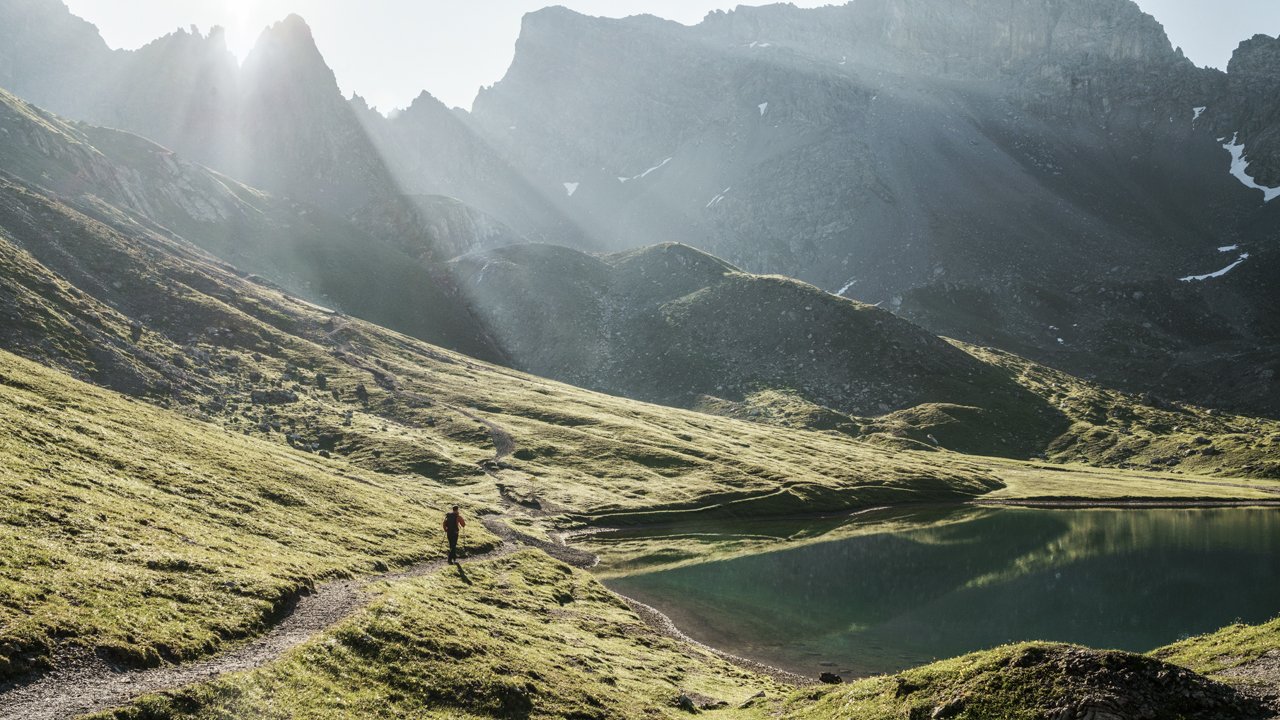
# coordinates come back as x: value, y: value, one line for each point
x: 142, y: 534
x: 1113, y: 429
x: 523, y: 636
x: 1031, y: 681
x: 216, y: 345
x: 1228, y: 648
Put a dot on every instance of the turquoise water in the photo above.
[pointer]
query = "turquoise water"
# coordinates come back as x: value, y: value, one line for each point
x: 1127, y: 579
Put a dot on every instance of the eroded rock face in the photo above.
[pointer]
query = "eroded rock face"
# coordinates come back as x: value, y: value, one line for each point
x: 1253, y: 95
x: 1051, y: 159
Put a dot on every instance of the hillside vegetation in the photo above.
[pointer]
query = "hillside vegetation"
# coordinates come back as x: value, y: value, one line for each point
x: 520, y: 637
x: 673, y: 325
x: 144, y: 536
x: 527, y: 637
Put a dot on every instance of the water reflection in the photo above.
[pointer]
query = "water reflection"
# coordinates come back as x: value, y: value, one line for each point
x: 1129, y: 579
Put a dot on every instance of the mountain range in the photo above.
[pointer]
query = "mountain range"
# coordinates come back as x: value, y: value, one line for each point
x: 1052, y: 178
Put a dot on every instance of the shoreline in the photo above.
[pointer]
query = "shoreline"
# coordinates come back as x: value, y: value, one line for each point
x: 1124, y: 503
x: 660, y: 623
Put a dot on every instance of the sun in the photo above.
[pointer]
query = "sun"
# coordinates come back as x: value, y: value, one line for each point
x: 237, y: 19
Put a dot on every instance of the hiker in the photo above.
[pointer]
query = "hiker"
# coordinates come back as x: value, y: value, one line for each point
x: 453, y: 523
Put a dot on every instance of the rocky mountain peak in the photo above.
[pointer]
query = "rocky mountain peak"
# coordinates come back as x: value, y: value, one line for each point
x: 287, y: 51
x: 1253, y: 77
x: 1259, y: 55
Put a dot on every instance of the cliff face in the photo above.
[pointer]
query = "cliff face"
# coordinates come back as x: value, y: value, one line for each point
x: 1011, y: 173
x: 278, y: 122
x: 50, y: 56
x: 1252, y: 99
x: 433, y: 150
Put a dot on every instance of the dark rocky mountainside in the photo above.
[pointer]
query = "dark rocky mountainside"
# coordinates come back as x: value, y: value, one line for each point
x: 1036, y: 175
x: 672, y: 325
x: 1051, y: 178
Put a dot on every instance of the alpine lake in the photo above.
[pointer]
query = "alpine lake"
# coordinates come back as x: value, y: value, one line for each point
x: 886, y: 590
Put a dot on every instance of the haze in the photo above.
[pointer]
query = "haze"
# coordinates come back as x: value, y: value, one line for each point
x: 390, y: 50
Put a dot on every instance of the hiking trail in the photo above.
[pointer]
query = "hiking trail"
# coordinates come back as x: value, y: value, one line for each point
x: 92, y: 685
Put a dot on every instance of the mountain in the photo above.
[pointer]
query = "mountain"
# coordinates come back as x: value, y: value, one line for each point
x: 1054, y: 179
x: 637, y: 324
x: 221, y: 491
x: 433, y: 150
x: 278, y: 122
x: 673, y: 325
x: 124, y: 179
x: 1036, y: 176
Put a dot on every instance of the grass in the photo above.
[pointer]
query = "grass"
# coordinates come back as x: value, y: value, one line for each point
x: 523, y: 636
x: 1030, y: 480
x: 141, y: 535
x: 1110, y: 428
x: 1028, y: 681
x: 1224, y: 649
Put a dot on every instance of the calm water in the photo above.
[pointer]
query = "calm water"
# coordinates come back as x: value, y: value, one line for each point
x: 1128, y: 579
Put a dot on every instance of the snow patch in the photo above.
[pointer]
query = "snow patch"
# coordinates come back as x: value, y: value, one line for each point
x: 845, y: 289
x: 1218, y: 274
x: 764, y: 108
x: 719, y: 198
x: 1240, y: 167
x: 1228, y: 248
x: 571, y: 188
x: 1197, y: 112
x: 758, y: 44
x: 844, y: 60
x: 655, y: 168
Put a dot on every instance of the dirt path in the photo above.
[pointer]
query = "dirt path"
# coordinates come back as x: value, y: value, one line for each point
x: 88, y: 684
x: 92, y: 685
x: 503, y: 443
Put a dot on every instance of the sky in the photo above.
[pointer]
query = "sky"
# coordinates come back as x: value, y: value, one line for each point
x: 390, y: 50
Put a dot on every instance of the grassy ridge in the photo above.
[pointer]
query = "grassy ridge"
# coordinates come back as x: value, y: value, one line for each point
x: 138, y: 533
x: 1031, y: 681
x: 1110, y: 428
